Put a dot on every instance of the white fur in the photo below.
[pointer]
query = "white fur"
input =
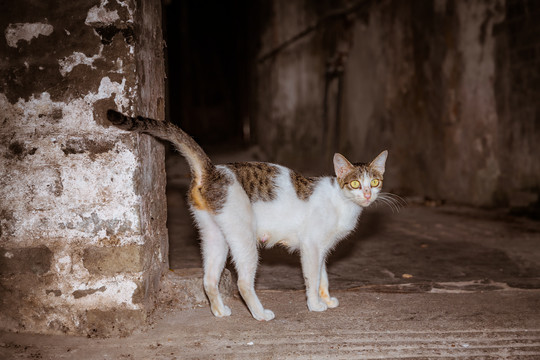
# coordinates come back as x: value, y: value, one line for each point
x: 312, y: 227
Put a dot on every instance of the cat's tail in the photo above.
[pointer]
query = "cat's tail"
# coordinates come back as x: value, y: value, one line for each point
x: 197, y: 159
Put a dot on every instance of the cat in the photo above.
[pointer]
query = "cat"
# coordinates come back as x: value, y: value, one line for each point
x: 239, y: 207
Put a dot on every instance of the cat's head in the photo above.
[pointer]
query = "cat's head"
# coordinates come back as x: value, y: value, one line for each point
x: 360, y: 182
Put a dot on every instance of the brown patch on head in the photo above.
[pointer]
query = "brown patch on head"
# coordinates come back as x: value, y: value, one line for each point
x: 356, y: 174
x: 257, y: 179
x: 303, y: 186
x: 371, y: 171
x: 212, y: 193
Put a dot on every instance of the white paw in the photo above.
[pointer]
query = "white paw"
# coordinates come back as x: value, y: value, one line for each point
x: 226, y: 311
x: 332, y: 302
x: 317, y: 306
x: 267, y: 315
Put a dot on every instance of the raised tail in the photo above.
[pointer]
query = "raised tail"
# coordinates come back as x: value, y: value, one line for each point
x: 197, y: 159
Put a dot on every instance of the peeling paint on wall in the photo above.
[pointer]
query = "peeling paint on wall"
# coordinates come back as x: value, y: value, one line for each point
x: 26, y: 32
x: 108, y: 23
x: 77, y: 58
x: 99, y: 15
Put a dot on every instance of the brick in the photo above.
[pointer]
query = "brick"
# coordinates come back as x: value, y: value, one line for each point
x: 35, y: 260
x: 113, y: 260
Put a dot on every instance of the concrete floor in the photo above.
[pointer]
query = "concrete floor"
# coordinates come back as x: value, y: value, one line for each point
x: 426, y: 282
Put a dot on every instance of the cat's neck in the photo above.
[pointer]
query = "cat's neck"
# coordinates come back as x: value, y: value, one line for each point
x: 347, y: 207
x: 339, y: 213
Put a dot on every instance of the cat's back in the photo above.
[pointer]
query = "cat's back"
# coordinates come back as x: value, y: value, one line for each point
x: 258, y: 179
x: 267, y: 182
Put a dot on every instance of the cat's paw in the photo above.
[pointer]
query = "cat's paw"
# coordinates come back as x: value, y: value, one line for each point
x: 331, y: 302
x: 226, y: 311
x: 266, y: 316
x: 317, y: 306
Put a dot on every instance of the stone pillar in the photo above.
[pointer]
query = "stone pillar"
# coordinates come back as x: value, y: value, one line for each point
x: 83, y: 239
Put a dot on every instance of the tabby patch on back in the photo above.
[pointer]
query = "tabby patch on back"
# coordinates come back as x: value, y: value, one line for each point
x: 237, y: 206
x: 258, y: 179
x: 303, y: 186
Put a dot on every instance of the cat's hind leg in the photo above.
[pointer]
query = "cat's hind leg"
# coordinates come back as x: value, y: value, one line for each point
x: 244, y: 252
x: 243, y: 245
x: 214, y: 250
x: 331, y: 302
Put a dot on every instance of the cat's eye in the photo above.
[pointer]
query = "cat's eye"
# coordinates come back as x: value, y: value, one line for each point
x: 375, y: 182
x: 355, y: 184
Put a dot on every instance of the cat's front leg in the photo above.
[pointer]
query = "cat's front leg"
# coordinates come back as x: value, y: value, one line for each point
x: 312, y: 260
x: 331, y: 302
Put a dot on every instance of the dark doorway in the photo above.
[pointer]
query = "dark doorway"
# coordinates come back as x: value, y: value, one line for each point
x: 208, y: 59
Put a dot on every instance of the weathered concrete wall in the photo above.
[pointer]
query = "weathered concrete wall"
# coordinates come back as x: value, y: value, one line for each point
x: 83, y: 240
x: 291, y: 86
x: 428, y: 94
x: 517, y: 92
x: 449, y: 87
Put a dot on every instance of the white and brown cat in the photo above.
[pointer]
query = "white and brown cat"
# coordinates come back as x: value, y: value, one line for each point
x: 241, y: 206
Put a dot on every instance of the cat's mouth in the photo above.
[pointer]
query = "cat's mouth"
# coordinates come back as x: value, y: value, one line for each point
x: 362, y: 201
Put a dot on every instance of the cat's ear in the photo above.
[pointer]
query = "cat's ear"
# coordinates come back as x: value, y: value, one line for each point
x: 378, y: 163
x: 342, y: 166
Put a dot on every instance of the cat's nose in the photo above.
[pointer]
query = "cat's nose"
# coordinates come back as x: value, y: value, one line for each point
x: 367, y: 195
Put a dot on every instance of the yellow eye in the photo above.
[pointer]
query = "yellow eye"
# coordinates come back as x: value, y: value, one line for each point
x: 375, y: 182
x: 355, y: 184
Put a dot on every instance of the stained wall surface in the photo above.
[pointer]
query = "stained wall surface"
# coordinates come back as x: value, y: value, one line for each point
x: 450, y: 88
x: 83, y: 240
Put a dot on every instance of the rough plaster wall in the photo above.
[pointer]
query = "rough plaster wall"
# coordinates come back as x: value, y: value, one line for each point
x: 441, y: 84
x: 82, y: 222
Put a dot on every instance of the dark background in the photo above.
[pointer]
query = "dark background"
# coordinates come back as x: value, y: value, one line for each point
x: 210, y: 49
x: 450, y: 88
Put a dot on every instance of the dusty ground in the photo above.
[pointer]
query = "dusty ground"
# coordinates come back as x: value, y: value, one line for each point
x: 493, y: 324
x: 427, y: 282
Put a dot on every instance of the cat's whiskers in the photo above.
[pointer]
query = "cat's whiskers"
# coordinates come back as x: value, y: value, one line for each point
x: 394, y: 202
x: 387, y: 202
